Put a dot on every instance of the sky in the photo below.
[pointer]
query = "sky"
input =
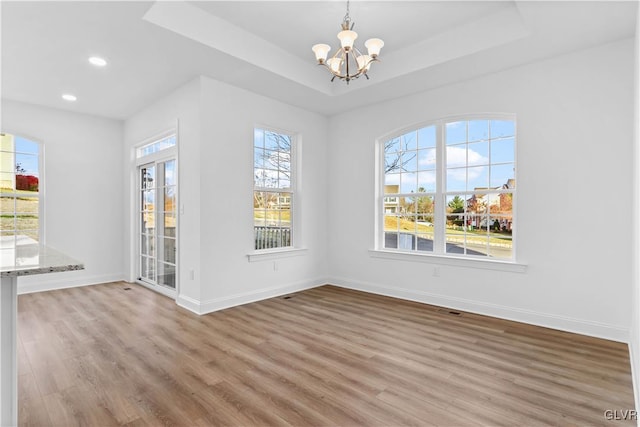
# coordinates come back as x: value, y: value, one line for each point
x: 27, y: 155
x: 479, y: 154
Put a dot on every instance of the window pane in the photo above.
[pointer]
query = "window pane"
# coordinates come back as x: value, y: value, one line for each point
x: 258, y: 159
x: 424, y: 214
x: 283, y: 180
x: 427, y: 182
x: 147, y: 245
x: 148, y: 200
x: 392, y: 183
x: 503, y: 150
x: 170, y: 199
x: 476, y: 245
x: 478, y: 130
x: 147, y: 268
x: 502, y: 128
x: 427, y: 159
x: 502, y: 175
x: 7, y: 205
x: 409, y: 141
x: 147, y: 177
x: 391, y: 205
x: 456, y: 179
x: 156, y: 146
x: 258, y: 138
x: 409, y: 161
x: 391, y: 222
x: 456, y: 156
x: 406, y: 241
x: 424, y: 242
x: 7, y: 222
x: 166, y: 275
x: 392, y: 162
x: 392, y: 146
x: 26, y: 146
x: 408, y: 183
x: 26, y: 164
x: 7, y: 181
x: 148, y: 222
x: 477, y: 177
x: 33, y: 236
x: 27, y: 183
x: 456, y: 132
x: 168, y: 249
x: 478, y: 153
x: 26, y: 222
x: 7, y: 165
x: 170, y: 224
x: 274, y: 141
x: 427, y: 137
x: 27, y: 205
x: 170, y: 173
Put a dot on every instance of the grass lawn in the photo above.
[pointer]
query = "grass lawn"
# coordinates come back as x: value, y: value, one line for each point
x: 283, y: 215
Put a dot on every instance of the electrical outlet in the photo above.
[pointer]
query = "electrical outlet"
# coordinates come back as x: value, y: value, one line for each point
x: 436, y: 271
x: 275, y: 266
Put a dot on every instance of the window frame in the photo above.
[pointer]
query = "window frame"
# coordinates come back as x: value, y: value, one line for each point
x: 294, y: 248
x: 41, y: 184
x: 439, y: 254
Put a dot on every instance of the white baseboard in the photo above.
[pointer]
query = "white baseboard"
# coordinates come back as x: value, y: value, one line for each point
x: 567, y: 324
x: 42, y: 283
x: 635, y: 373
x: 204, y: 307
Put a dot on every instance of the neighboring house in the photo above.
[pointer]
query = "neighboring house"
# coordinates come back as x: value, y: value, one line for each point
x: 283, y: 202
x: 7, y: 161
x: 391, y: 202
x: 478, y: 205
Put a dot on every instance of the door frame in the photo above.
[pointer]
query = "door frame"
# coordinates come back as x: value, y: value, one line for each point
x: 155, y: 158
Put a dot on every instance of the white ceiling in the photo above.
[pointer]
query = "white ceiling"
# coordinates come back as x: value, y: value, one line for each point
x: 265, y: 46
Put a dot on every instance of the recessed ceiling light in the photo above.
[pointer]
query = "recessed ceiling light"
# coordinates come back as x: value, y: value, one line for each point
x: 97, y: 61
x: 69, y: 97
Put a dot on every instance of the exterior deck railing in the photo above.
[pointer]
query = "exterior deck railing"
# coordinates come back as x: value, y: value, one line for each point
x: 272, y: 237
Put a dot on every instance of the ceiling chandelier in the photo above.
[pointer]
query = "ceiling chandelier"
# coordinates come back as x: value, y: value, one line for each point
x: 348, y: 62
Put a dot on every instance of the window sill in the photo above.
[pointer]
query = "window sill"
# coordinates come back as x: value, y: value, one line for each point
x: 450, y: 260
x: 269, y: 254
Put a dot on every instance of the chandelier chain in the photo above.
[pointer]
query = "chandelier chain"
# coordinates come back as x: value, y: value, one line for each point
x: 347, y: 18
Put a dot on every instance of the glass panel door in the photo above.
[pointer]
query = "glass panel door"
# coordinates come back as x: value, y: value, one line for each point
x: 166, y: 230
x: 158, y: 244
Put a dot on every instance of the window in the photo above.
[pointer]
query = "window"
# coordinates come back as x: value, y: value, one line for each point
x: 157, y: 213
x: 156, y: 146
x: 273, y: 185
x: 448, y: 188
x: 20, y: 185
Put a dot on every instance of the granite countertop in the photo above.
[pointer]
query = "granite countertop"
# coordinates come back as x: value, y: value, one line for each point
x: 32, y: 258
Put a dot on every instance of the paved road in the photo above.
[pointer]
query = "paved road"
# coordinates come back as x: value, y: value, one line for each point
x: 406, y: 241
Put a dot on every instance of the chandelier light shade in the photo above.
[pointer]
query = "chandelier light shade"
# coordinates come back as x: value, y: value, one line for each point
x: 348, y: 62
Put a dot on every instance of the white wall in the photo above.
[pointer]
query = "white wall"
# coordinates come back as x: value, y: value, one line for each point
x: 575, y: 143
x: 83, y: 190
x: 181, y: 110
x: 634, y: 341
x: 229, y: 117
x: 216, y: 123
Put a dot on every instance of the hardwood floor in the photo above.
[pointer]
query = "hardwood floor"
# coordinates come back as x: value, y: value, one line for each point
x: 107, y: 355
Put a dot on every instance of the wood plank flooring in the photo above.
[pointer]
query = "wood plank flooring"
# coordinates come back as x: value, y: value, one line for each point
x: 104, y: 355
